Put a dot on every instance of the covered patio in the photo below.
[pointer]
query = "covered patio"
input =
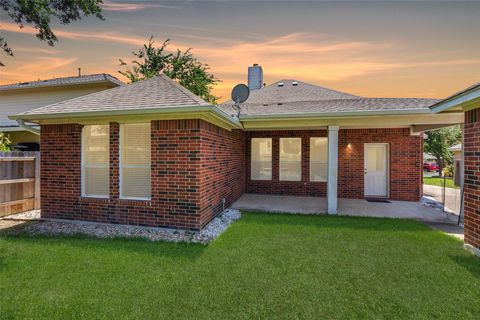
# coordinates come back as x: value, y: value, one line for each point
x: 346, y: 207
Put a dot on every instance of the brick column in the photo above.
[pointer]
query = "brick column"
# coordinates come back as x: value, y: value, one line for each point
x: 332, y: 184
x: 471, y: 180
x: 114, y: 160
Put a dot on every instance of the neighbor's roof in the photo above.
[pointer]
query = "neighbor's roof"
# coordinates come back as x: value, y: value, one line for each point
x: 66, y: 81
x: 457, y: 147
x: 154, y: 93
x: 296, y: 98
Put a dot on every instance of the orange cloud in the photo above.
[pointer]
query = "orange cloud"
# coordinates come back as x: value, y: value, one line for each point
x: 47, y: 67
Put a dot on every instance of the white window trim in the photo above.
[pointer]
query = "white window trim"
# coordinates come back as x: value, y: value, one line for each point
x: 82, y: 171
x: 120, y: 166
x: 280, y: 158
x: 271, y: 159
x: 310, y: 161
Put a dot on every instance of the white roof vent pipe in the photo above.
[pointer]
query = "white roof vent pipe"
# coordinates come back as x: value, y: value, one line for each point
x: 295, y: 83
x: 280, y: 84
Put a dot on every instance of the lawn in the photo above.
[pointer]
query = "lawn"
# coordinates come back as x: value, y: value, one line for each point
x: 264, y: 266
x: 436, y: 181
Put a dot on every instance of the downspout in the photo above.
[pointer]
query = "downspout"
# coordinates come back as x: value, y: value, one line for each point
x: 28, y: 128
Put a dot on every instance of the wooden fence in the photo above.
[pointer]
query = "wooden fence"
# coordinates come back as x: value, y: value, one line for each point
x: 19, y: 182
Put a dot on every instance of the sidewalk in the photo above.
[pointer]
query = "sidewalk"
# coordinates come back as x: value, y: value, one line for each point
x: 452, y: 196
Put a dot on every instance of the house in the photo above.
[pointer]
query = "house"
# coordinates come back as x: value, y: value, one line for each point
x: 24, y: 96
x: 468, y: 101
x: 457, y: 162
x: 152, y: 153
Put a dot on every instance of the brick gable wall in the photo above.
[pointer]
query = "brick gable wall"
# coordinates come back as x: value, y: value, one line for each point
x: 472, y: 177
x: 405, y: 162
x: 406, y: 152
x: 222, y: 169
x: 178, y: 170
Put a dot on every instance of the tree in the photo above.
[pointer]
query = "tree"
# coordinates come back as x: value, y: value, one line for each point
x: 4, y: 142
x: 437, y: 144
x: 180, y: 66
x: 39, y: 13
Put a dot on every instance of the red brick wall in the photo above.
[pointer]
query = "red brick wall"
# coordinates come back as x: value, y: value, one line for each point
x: 275, y: 186
x: 222, y: 169
x: 472, y: 177
x: 406, y: 153
x: 178, y: 150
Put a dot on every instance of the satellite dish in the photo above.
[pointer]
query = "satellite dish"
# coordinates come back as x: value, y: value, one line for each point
x: 240, y: 93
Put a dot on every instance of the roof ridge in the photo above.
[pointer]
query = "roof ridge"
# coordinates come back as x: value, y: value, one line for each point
x: 184, y: 90
x: 58, y: 81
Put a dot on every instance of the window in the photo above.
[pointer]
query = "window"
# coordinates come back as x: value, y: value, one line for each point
x: 291, y: 159
x: 318, y: 159
x: 135, y: 161
x: 261, y: 168
x: 95, y: 161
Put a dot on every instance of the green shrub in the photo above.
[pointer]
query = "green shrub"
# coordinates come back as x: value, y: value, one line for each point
x: 5, y: 142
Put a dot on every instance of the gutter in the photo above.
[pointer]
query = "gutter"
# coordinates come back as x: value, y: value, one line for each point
x: 28, y: 128
x: 459, y: 99
x: 183, y: 109
x: 334, y: 114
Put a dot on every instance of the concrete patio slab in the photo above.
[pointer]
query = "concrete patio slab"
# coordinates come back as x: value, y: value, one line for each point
x: 346, y: 207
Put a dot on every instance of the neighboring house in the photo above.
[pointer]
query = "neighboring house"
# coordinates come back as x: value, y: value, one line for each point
x: 468, y: 101
x: 20, y: 97
x: 427, y: 157
x: 457, y: 163
x: 152, y: 153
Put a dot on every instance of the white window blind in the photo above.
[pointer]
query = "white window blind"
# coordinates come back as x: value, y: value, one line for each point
x: 261, y: 159
x: 95, y: 161
x: 135, y: 161
x: 291, y: 159
x: 318, y: 159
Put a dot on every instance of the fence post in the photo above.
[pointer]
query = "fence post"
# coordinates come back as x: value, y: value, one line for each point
x: 37, y: 180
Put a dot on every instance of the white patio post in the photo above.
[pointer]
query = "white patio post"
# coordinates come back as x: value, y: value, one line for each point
x: 332, y: 169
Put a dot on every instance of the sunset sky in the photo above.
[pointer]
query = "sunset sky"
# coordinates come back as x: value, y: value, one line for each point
x: 373, y: 49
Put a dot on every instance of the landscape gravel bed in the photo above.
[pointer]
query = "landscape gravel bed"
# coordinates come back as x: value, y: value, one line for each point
x: 102, y: 230
x: 27, y: 215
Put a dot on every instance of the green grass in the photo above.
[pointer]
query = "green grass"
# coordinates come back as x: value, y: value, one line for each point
x: 264, y: 266
x: 436, y: 181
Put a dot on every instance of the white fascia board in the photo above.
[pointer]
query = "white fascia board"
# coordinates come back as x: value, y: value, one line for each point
x: 457, y: 101
x: 183, y: 109
x: 334, y: 114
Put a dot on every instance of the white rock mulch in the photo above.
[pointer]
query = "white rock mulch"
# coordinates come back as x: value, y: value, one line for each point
x: 27, y: 215
x: 102, y: 230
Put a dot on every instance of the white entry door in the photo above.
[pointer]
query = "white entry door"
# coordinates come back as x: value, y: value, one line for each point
x: 376, y: 169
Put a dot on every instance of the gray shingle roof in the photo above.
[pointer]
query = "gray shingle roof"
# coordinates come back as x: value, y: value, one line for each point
x: 335, y: 106
x: 305, y: 98
x: 91, y: 78
x: 156, y: 92
x: 289, y: 92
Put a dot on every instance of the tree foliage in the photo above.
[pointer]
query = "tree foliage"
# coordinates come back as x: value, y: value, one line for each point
x: 181, y: 66
x: 40, y: 12
x: 4, y: 142
x: 437, y: 144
